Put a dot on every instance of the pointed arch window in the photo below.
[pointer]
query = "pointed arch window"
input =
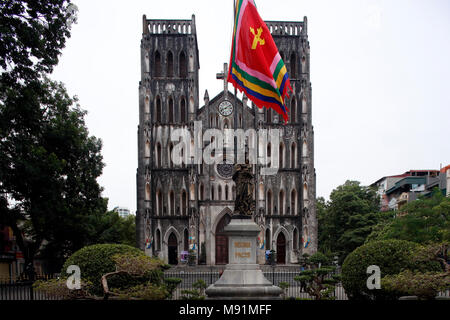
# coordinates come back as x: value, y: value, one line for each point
x: 171, y: 110
x: 295, y: 242
x: 293, y: 66
x: 158, y: 240
x: 183, y: 117
x: 171, y: 203
x: 219, y: 194
x: 184, y: 203
x: 281, y: 199
x: 212, y: 192
x: 169, y: 64
x: 293, y: 155
x: 226, y: 193
x: 158, y: 109
x: 294, y: 202
x: 201, y: 192
x: 183, y: 65
x: 269, y: 202
x: 157, y: 67
x: 293, y: 110
x: 158, y: 155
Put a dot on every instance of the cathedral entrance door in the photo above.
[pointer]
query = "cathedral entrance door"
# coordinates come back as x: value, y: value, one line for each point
x: 173, y: 249
x: 222, y: 241
x: 281, y: 249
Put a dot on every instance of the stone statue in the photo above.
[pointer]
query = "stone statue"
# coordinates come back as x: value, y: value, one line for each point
x: 243, y: 178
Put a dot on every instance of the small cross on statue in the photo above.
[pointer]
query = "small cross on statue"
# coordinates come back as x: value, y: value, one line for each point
x: 224, y: 75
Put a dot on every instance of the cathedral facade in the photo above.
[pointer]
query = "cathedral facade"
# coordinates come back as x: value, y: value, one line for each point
x: 182, y: 207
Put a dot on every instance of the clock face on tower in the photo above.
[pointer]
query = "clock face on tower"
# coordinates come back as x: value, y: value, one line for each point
x: 225, y: 108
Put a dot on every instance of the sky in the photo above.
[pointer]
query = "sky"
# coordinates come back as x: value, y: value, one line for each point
x: 379, y: 71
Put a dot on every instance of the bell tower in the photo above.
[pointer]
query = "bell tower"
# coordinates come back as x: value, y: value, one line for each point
x: 168, y: 100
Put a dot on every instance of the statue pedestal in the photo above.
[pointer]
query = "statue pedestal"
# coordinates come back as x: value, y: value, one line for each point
x: 242, y: 277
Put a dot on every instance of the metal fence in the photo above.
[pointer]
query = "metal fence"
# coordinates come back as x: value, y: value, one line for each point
x: 293, y: 291
x: 22, y: 289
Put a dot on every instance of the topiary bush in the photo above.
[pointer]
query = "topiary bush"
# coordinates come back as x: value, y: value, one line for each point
x: 96, y: 260
x: 391, y: 256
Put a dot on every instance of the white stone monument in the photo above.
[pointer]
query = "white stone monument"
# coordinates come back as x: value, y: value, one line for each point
x: 242, y: 277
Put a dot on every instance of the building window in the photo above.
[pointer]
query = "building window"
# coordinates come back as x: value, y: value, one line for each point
x: 281, y: 202
x: 293, y: 110
x: 294, y: 202
x: 226, y: 193
x: 293, y: 155
x: 169, y: 64
x: 159, y: 200
x: 293, y: 66
x: 183, y: 65
x: 281, y: 155
x: 269, y: 202
x: 171, y: 110
x: 158, y: 109
x: 171, y: 203
x: 184, y: 203
x: 158, y: 155
x: 183, y: 117
x: 157, y: 64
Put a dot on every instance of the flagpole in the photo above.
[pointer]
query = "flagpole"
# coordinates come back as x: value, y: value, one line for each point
x: 235, y: 92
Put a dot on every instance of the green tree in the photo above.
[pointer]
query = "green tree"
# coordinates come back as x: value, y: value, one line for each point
x: 425, y: 221
x: 48, y: 171
x: 112, y: 228
x: 347, y: 219
x: 319, y: 280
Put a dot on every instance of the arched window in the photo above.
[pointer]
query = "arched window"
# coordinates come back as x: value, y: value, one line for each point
x: 169, y: 64
x: 212, y: 192
x: 171, y: 111
x: 269, y: 202
x: 293, y: 66
x: 293, y: 202
x: 159, y: 200
x: 281, y: 155
x: 183, y: 110
x: 219, y: 195
x: 157, y: 67
x: 269, y: 154
x: 304, y: 64
x: 226, y: 192
x: 293, y: 154
x: 293, y: 110
x: 281, y: 199
x: 158, y: 155
x: 171, y: 203
x: 183, y: 65
x: 184, y: 203
x: 158, y: 109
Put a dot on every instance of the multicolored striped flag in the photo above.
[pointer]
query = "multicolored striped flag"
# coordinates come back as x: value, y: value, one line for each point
x: 256, y: 66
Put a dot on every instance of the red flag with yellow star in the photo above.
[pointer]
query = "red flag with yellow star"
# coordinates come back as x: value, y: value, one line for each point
x: 256, y: 67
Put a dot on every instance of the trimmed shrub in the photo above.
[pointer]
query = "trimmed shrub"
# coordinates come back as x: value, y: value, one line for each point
x: 392, y: 256
x: 96, y: 260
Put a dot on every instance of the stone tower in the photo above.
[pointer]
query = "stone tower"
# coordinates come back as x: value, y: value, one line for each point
x: 181, y: 207
x: 168, y: 100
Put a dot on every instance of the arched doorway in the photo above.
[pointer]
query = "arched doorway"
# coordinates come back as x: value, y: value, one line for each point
x: 173, y: 249
x: 281, y: 249
x: 222, y: 241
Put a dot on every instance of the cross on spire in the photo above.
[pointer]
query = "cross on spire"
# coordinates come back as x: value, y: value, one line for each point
x: 224, y: 75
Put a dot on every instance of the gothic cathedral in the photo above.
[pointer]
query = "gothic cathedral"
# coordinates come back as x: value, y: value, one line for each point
x: 186, y: 206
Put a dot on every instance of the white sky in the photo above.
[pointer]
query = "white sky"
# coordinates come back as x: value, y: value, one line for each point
x: 379, y: 71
